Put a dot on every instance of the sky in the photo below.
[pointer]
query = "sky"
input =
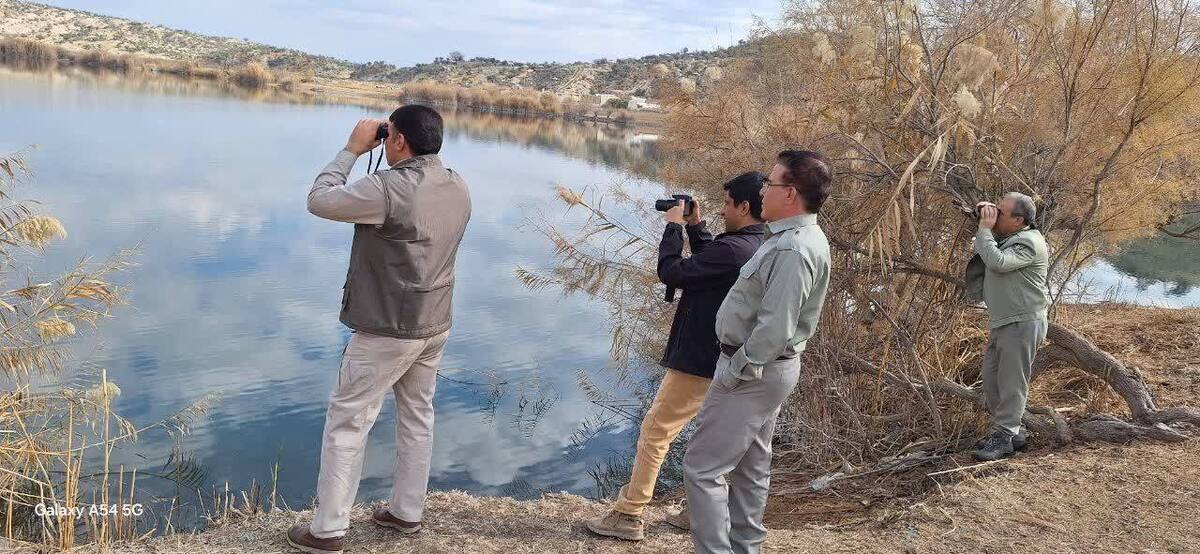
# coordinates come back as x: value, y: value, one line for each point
x: 406, y: 33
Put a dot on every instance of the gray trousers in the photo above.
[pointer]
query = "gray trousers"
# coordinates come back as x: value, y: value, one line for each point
x: 1007, y: 367
x: 733, y: 438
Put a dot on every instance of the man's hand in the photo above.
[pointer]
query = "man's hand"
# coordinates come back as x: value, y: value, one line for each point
x: 362, y: 138
x: 987, y: 215
x: 675, y: 215
x: 694, y: 219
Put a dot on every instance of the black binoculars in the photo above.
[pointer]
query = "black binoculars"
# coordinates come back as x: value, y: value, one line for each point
x: 382, y: 132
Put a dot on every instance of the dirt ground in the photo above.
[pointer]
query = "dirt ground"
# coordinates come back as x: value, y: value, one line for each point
x: 1138, y: 498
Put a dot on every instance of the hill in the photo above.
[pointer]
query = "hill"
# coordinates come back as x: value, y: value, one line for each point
x: 85, y: 30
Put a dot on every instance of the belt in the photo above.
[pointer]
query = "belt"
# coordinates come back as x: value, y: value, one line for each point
x: 730, y: 350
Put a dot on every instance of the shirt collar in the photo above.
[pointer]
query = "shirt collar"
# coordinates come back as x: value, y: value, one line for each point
x: 1013, y: 234
x: 794, y: 222
x: 423, y: 160
x: 752, y: 229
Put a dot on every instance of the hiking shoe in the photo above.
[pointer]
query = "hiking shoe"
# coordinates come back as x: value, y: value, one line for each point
x: 301, y: 539
x: 997, y: 445
x: 1020, y: 441
x: 680, y: 520
x: 618, y: 525
x: 383, y: 517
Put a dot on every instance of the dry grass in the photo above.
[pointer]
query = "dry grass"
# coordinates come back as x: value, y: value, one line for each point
x: 28, y: 54
x: 56, y: 438
x: 99, y: 59
x: 253, y: 76
x: 490, y: 98
x: 1163, y: 343
x: 1107, y: 499
x: 33, y: 55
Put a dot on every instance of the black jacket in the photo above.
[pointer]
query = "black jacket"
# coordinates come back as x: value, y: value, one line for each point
x: 705, y: 278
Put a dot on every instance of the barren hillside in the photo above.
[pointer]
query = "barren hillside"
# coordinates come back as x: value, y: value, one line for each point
x: 86, y: 30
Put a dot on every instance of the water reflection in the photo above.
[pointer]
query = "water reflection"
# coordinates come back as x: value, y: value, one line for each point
x: 237, y: 288
x: 1159, y: 270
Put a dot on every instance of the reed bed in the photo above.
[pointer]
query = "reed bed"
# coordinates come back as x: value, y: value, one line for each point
x: 59, y: 483
x: 490, y: 98
x: 31, y: 55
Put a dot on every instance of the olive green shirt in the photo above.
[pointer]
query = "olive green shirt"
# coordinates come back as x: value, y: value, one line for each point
x: 774, y: 306
x: 1012, y: 272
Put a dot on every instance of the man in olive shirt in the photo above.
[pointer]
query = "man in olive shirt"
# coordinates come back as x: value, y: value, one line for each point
x: 762, y: 325
x: 1010, y: 272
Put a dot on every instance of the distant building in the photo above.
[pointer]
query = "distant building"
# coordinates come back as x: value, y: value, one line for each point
x: 642, y: 103
x: 602, y: 99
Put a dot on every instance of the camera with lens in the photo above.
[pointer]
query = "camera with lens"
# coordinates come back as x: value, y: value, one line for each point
x: 689, y: 205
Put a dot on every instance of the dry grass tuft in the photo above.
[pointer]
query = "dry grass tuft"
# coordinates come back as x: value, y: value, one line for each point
x: 28, y: 54
x: 252, y: 76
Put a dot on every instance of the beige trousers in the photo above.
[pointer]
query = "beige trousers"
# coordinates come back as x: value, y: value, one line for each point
x: 371, y: 366
x: 678, y: 399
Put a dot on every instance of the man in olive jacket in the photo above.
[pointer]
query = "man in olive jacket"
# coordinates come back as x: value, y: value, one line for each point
x: 692, y: 349
x: 1009, y: 269
x: 409, y: 220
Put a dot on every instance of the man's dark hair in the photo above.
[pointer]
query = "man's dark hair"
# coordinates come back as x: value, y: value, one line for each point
x: 747, y: 187
x: 421, y: 127
x: 809, y: 174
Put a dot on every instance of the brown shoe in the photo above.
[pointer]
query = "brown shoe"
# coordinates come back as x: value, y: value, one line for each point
x: 301, y: 539
x: 384, y: 518
x: 680, y: 520
x: 619, y: 525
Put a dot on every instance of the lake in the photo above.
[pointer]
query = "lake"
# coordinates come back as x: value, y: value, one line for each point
x: 237, y: 288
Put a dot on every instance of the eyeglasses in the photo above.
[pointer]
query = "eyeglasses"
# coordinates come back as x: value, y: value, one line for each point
x: 766, y: 182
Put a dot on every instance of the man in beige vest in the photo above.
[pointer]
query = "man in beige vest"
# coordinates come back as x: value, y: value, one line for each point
x: 409, y: 220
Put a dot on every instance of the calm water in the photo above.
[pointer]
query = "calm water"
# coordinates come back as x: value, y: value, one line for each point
x: 237, y: 287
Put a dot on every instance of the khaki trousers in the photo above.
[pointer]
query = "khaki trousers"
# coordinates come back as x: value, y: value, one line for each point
x: 678, y: 399
x: 372, y: 365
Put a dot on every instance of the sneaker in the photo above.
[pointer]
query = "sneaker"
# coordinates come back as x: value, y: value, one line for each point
x: 680, y: 520
x: 384, y: 518
x: 301, y: 539
x: 997, y: 445
x: 1021, y: 440
x: 618, y: 525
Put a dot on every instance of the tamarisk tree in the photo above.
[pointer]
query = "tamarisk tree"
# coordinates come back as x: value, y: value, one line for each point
x: 926, y: 108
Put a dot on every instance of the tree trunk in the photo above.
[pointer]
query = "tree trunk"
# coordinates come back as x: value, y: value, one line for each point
x: 1070, y: 348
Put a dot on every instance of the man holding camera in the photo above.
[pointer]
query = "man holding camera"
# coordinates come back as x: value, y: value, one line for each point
x: 409, y: 220
x: 762, y: 325
x: 1009, y: 271
x: 692, y: 347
